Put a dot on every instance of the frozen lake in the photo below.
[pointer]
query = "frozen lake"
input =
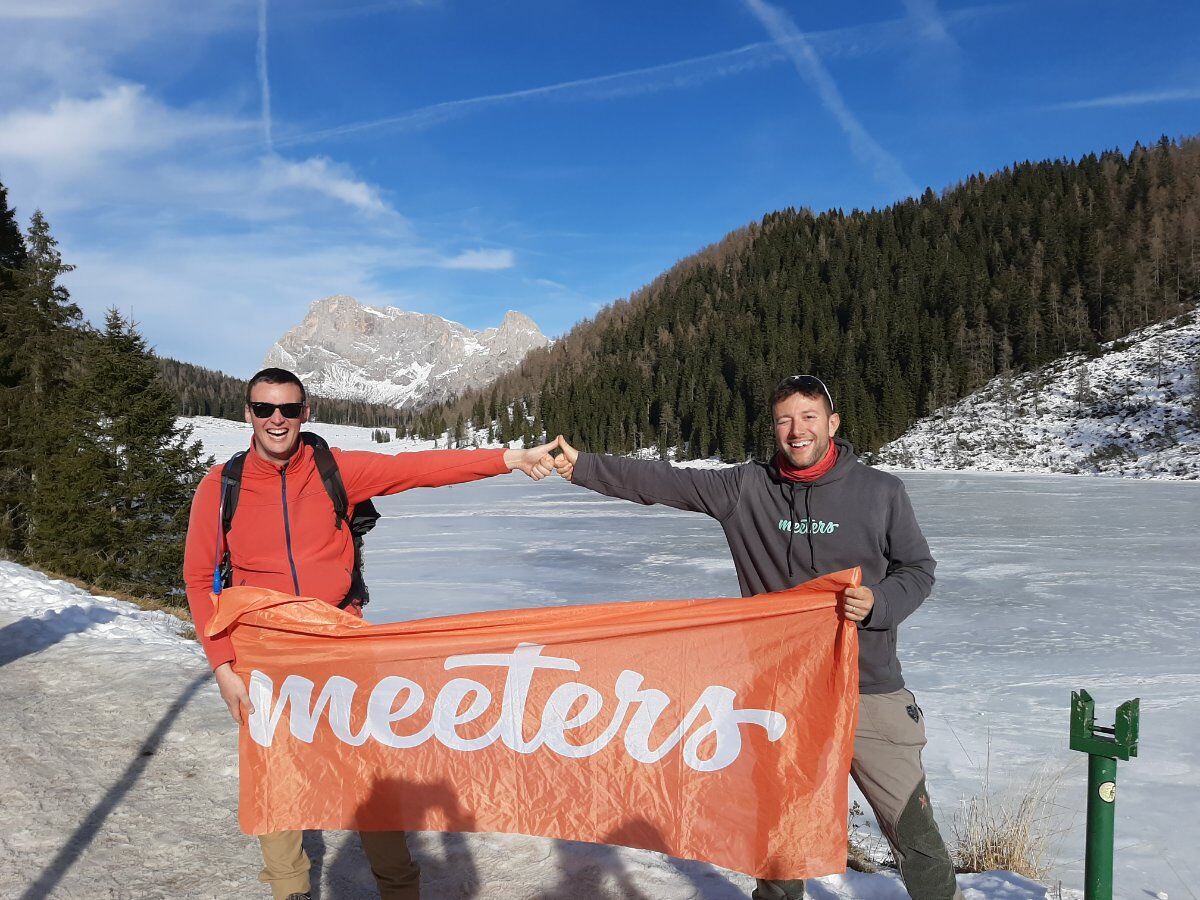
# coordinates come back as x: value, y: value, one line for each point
x: 1045, y: 584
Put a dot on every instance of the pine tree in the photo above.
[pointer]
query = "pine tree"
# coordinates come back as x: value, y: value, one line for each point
x: 1084, y: 395
x: 112, y: 499
x: 1196, y: 393
x: 12, y: 246
x: 38, y: 326
x: 13, y: 481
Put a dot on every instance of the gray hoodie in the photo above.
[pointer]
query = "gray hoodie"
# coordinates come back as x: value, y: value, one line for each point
x: 781, y: 534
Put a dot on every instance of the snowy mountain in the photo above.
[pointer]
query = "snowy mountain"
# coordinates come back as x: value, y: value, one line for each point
x: 345, y: 350
x: 1133, y: 410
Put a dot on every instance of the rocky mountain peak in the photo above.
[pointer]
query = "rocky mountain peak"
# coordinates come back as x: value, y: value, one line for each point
x: 346, y: 350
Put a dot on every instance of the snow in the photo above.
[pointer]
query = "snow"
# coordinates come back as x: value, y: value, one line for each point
x: 121, y: 772
x: 1131, y: 411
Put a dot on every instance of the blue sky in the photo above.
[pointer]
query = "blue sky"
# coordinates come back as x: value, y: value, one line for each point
x: 214, y: 167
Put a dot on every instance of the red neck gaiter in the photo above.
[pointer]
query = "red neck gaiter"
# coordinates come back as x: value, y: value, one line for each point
x: 790, y: 473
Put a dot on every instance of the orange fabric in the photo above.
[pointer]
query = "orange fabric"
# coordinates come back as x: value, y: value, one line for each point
x: 323, y: 555
x: 718, y: 730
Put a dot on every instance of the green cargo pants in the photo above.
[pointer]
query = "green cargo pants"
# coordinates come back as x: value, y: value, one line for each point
x: 887, y: 769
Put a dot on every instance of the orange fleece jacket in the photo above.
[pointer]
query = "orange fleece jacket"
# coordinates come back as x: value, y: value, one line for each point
x: 278, y: 501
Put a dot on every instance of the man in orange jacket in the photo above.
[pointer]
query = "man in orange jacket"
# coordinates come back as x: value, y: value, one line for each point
x: 284, y: 537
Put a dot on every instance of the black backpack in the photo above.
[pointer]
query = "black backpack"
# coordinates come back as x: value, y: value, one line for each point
x: 360, y: 518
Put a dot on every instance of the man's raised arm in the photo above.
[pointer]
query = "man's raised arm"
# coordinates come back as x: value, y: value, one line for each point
x: 714, y: 493
x: 369, y: 474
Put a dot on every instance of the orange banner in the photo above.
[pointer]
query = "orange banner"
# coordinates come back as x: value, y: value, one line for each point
x: 717, y: 730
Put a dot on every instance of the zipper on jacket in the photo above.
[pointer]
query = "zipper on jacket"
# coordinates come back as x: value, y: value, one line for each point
x: 287, y: 530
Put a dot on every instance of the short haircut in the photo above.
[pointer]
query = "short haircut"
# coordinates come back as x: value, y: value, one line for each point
x: 275, y: 376
x: 804, y: 385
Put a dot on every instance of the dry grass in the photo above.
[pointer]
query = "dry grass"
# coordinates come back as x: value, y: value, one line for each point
x: 865, y: 852
x: 1016, y: 832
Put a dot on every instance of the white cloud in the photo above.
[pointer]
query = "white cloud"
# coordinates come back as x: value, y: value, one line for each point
x: 57, y: 9
x: 322, y: 175
x: 482, y: 260
x: 77, y: 134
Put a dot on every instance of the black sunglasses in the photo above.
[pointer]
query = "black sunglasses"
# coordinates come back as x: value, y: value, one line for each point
x: 266, y: 410
x: 809, y: 384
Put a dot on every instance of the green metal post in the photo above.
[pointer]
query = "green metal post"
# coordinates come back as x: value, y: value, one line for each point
x: 1104, y: 746
x: 1101, y: 813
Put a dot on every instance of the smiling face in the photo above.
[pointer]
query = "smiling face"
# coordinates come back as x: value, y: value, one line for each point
x: 276, y: 437
x: 804, y: 426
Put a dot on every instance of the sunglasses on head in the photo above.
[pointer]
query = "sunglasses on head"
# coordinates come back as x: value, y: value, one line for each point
x: 809, y: 384
x: 266, y: 410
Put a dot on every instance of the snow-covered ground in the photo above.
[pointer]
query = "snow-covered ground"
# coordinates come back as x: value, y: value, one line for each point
x: 119, y: 774
x: 223, y: 437
x: 1130, y: 411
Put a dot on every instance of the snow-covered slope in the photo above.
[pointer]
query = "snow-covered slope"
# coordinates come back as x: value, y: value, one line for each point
x: 348, y: 351
x: 1130, y: 411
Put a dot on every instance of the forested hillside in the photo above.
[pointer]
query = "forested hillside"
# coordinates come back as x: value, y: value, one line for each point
x: 901, y: 310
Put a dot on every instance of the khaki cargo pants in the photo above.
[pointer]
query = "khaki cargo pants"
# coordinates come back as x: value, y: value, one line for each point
x: 286, y: 865
x: 887, y: 769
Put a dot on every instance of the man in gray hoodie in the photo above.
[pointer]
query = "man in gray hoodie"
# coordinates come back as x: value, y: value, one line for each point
x: 814, y: 509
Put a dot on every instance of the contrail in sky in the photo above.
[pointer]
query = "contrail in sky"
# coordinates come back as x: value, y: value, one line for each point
x: 264, y: 84
x: 858, y: 40
x: 618, y: 84
x: 869, y: 151
x: 1136, y: 98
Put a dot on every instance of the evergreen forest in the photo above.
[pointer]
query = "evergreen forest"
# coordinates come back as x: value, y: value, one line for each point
x: 900, y: 310
x: 96, y: 477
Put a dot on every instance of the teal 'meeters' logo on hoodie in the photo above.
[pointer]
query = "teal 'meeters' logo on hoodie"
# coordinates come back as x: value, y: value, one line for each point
x: 809, y: 526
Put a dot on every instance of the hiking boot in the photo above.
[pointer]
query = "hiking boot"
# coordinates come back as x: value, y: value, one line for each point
x: 299, y: 897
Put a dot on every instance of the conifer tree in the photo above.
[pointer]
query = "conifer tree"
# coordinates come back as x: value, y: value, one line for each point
x: 1196, y: 393
x: 112, y: 500
x: 12, y: 246
x: 12, y: 259
x: 38, y: 325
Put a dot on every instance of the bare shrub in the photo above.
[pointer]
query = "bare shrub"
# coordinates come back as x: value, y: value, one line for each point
x: 1016, y: 832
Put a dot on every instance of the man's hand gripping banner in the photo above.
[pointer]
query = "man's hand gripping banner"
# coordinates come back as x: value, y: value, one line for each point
x: 718, y: 730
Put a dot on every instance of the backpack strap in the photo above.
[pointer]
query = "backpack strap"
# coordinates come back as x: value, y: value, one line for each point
x: 331, y: 477
x: 231, y: 488
x: 360, y: 518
